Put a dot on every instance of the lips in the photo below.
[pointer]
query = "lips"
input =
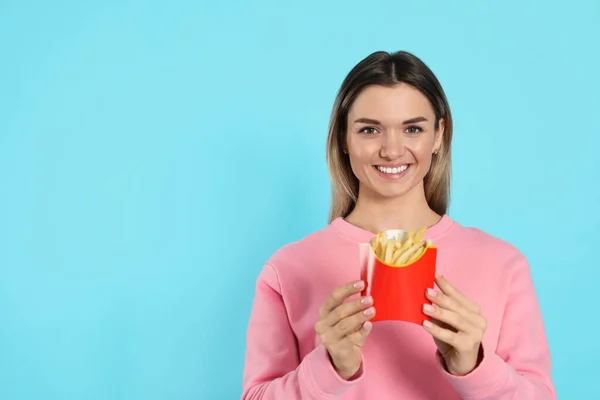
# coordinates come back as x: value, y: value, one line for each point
x: 392, y: 170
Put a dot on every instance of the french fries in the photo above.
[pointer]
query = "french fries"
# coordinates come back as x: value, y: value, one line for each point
x: 398, y: 252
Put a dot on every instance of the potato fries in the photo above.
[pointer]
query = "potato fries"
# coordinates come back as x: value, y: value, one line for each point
x: 397, y: 251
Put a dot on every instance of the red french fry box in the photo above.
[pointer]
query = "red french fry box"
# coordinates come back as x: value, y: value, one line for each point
x: 398, y: 291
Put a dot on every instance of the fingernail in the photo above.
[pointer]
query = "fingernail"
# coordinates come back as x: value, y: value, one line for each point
x: 367, y: 300
x: 427, y: 324
x: 431, y: 292
x: 438, y: 275
x: 367, y: 326
x: 428, y: 308
x: 359, y: 285
x: 370, y: 311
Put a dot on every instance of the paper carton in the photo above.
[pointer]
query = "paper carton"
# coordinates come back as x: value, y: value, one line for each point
x: 398, y: 291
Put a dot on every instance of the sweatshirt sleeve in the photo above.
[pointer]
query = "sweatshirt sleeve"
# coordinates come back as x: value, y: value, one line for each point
x: 520, y: 369
x: 273, y: 369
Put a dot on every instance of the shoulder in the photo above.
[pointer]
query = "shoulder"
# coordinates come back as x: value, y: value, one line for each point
x: 476, y: 241
x: 484, y: 265
x: 309, y: 244
x: 299, y: 258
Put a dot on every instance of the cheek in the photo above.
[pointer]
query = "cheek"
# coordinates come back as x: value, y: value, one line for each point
x: 359, y: 161
x: 421, y: 148
x: 362, y: 152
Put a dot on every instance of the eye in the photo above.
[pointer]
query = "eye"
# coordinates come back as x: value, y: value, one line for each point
x: 414, y: 130
x: 368, y: 130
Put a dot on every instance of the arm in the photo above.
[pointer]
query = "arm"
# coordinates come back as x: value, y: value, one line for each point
x: 520, y: 369
x: 273, y: 369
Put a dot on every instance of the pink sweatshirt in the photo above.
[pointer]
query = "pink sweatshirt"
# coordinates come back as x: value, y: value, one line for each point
x: 285, y: 360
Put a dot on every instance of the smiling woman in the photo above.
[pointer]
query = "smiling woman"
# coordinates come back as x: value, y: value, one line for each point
x: 395, y: 142
x: 311, y: 335
x: 378, y: 100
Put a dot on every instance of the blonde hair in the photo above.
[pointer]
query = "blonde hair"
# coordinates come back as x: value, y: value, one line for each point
x: 387, y: 69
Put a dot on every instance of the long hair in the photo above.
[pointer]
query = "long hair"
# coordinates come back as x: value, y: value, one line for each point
x: 387, y: 69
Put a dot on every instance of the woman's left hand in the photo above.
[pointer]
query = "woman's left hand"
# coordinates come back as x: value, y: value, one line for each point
x: 457, y: 327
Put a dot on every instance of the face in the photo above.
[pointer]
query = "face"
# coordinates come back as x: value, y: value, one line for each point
x: 391, y: 138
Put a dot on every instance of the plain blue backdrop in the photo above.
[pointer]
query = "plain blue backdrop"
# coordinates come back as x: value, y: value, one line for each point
x: 154, y: 154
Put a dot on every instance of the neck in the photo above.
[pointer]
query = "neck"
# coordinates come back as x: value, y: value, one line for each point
x: 375, y: 213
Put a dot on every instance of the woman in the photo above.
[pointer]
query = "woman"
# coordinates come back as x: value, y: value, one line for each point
x: 310, y: 335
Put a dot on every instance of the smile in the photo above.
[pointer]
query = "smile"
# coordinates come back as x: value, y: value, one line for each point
x: 391, y: 171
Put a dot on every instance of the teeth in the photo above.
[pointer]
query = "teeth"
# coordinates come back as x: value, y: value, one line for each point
x: 392, y: 170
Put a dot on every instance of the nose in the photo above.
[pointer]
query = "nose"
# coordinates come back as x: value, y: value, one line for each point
x: 392, y: 146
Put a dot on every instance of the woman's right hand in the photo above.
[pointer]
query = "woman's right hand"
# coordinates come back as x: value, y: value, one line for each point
x: 343, y: 327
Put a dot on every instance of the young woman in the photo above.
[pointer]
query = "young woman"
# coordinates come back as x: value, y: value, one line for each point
x: 310, y: 334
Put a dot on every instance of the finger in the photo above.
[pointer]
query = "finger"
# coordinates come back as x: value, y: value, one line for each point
x: 447, y: 288
x: 449, y: 303
x: 443, y: 325
x: 460, y: 341
x: 347, y: 309
x: 359, y: 337
x: 445, y: 301
x: 352, y: 323
x: 338, y: 296
x: 451, y: 318
x: 445, y: 335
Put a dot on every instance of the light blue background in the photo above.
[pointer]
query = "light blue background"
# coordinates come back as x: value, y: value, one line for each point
x: 153, y: 156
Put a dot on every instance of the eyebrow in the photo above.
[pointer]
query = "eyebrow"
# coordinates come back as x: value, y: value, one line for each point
x: 375, y: 122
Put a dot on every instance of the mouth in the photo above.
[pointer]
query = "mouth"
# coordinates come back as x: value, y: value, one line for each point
x: 392, y: 170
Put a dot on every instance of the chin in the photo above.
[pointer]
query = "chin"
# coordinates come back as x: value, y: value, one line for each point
x: 390, y: 191
x: 393, y: 189
x: 391, y: 194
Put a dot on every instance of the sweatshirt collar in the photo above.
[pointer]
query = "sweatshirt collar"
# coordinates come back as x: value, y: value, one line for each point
x: 356, y: 234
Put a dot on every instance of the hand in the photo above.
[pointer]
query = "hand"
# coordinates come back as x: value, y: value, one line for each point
x: 344, y: 326
x: 457, y: 327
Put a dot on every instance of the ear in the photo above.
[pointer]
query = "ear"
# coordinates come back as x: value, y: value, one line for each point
x: 345, y: 145
x: 439, y: 135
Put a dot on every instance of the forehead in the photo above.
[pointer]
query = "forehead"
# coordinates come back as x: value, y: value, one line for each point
x: 391, y: 104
